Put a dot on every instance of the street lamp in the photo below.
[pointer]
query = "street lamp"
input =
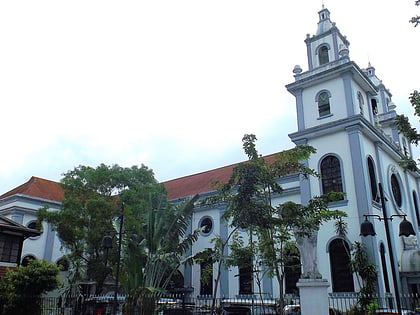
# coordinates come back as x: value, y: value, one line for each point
x: 107, y: 244
x: 406, y: 229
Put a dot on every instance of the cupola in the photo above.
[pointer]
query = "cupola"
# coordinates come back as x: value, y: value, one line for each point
x: 328, y: 45
x: 324, y: 23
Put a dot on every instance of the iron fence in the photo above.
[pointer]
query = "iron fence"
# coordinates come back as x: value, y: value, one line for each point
x: 176, y: 304
x: 340, y: 304
x: 346, y: 302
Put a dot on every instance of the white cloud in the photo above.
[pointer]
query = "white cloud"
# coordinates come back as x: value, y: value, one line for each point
x: 171, y: 84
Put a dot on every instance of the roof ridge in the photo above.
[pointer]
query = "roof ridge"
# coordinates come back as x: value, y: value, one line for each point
x: 202, y: 172
x: 215, y: 169
x: 38, y: 187
x: 18, y: 188
x: 177, y: 187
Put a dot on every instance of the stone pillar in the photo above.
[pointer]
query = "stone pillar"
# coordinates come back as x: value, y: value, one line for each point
x: 313, y: 296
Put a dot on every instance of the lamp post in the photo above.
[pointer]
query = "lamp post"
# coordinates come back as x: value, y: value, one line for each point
x: 107, y: 244
x: 406, y: 229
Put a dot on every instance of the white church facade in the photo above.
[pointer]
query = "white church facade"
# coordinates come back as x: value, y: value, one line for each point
x: 347, y: 114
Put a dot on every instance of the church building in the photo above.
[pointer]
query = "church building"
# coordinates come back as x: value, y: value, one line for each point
x: 348, y: 115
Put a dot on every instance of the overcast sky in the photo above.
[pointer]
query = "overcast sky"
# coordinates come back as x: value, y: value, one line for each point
x: 172, y: 84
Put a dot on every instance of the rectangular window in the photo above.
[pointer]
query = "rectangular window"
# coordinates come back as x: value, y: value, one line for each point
x: 245, y: 280
x: 9, y: 248
x: 206, y: 277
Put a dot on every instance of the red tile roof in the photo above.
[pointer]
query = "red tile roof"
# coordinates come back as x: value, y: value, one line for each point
x: 177, y: 188
x: 197, y: 183
x: 202, y: 182
x: 38, y: 187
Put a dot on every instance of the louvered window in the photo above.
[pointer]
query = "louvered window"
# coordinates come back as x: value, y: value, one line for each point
x: 324, y: 104
x: 323, y: 55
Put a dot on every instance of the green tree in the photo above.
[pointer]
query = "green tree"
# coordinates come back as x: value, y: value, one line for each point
x: 155, y: 235
x: 405, y: 127
x: 364, y: 268
x: 21, y: 289
x: 361, y: 264
x: 249, y: 193
x: 403, y: 123
x: 160, y: 246
x: 92, y: 199
x: 416, y: 19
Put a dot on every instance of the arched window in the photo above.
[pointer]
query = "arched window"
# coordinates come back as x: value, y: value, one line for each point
x: 323, y: 104
x: 206, y: 277
x: 35, y: 226
x: 341, y: 275
x: 245, y: 277
x: 292, y: 269
x: 176, y: 282
x: 323, y: 55
x: 361, y: 102
x: 27, y: 259
x: 416, y: 207
x: 396, y: 190
x: 374, y: 105
x: 63, y: 263
x: 331, y: 175
x: 384, y: 267
x: 372, y: 180
x: 405, y: 147
x: 206, y: 271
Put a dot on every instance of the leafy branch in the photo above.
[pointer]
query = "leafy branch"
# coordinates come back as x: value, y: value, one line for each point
x: 416, y: 19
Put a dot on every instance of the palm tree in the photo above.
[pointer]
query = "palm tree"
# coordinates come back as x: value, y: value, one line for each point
x: 158, y: 250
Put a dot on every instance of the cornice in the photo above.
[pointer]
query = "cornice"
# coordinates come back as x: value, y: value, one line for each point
x: 329, y: 71
x: 355, y: 122
x: 28, y: 199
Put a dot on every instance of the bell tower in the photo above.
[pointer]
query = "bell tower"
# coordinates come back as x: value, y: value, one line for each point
x: 334, y: 87
x: 328, y: 44
x: 346, y: 113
